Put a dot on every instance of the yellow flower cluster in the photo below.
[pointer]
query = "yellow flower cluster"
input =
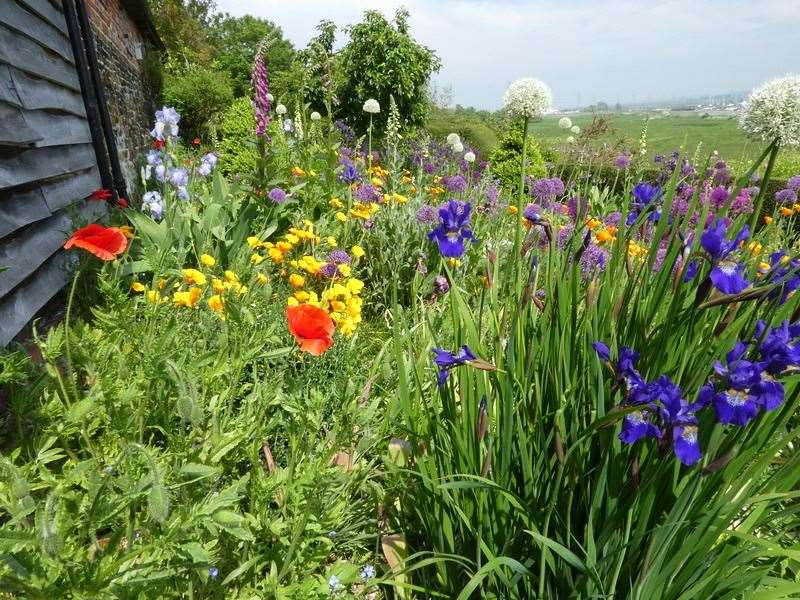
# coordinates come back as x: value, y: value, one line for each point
x: 342, y: 301
x: 362, y: 211
x: 606, y: 235
x: 277, y: 250
x: 637, y: 250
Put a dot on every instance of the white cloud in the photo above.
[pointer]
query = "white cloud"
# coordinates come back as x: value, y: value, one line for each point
x: 598, y: 49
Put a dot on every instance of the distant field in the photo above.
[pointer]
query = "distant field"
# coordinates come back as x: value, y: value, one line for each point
x: 665, y: 133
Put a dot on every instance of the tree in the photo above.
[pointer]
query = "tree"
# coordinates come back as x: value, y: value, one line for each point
x: 236, y: 39
x: 183, y: 27
x: 380, y: 59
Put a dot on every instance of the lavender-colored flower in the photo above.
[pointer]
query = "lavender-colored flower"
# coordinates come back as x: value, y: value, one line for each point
x: 154, y: 158
x: 207, y: 164
x: 339, y: 257
x: 593, y: 260
x: 743, y: 203
x: 166, y: 124
x: 154, y: 204
x: 426, y: 215
x: 492, y: 194
x: 261, y: 97
x: 793, y: 183
x: 718, y: 197
x: 329, y: 270
x: 787, y: 196
x: 277, y: 195
x: 178, y: 177
x: 368, y: 193
x: 455, y: 184
x: 547, y: 189
x: 368, y: 572
x: 440, y: 285
x: 613, y: 218
x: 623, y: 161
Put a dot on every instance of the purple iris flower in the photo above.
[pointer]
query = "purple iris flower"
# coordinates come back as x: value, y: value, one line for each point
x: 778, y: 350
x: 678, y: 415
x: 453, y: 230
x: 726, y: 275
x: 349, y: 174
x: 447, y: 360
x: 785, y: 272
x: 533, y: 213
x: 741, y: 395
x: 644, y: 194
x: 602, y: 350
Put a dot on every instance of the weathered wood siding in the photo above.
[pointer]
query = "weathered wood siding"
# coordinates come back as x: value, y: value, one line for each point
x: 47, y: 163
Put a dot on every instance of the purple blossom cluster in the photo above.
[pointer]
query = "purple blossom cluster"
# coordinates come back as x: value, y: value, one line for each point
x: 368, y: 193
x: 547, y: 189
x: 260, y: 81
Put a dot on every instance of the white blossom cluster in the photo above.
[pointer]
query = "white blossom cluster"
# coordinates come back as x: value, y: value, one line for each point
x: 565, y: 122
x: 527, y: 98
x: 371, y: 106
x: 772, y: 111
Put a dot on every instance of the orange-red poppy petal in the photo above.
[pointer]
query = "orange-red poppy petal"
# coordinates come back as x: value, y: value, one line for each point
x: 315, y: 347
x: 311, y: 327
x: 106, y: 243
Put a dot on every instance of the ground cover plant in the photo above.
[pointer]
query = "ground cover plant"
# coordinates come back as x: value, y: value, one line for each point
x: 363, y: 364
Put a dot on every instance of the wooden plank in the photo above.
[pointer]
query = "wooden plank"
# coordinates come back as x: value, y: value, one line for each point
x: 26, y: 55
x: 14, y: 129
x: 8, y: 93
x: 17, y: 309
x: 44, y: 163
x: 63, y: 192
x: 40, y: 94
x: 56, y: 129
x: 49, y: 12
x: 20, y: 209
x: 17, y: 18
x: 25, y: 252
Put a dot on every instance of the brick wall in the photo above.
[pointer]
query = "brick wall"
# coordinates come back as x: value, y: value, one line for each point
x: 130, y: 99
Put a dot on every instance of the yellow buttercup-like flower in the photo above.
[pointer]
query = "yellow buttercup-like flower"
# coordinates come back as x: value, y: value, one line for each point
x: 357, y: 251
x: 340, y: 216
x: 344, y: 269
x: 297, y: 281
x: 256, y: 259
x: 207, y: 260
x: 188, y: 299
x: 262, y: 279
x: 193, y: 277
x: 217, y: 304
x: 137, y: 287
x: 253, y: 242
x: 331, y: 241
x: 275, y: 255
x: 231, y: 277
x: 335, y: 203
x: 218, y: 286
x: 298, y: 172
x: 153, y: 296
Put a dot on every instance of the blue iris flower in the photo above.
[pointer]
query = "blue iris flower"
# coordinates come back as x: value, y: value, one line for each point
x: 453, y: 230
x: 447, y: 360
x: 726, y: 275
x: 644, y: 194
x: 784, y: 272
x: 743, y: 388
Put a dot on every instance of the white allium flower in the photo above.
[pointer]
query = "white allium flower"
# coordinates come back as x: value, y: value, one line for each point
x: 371, y: 106
x: 565, y: 122
x: 570, y: 140
x: 315, y: 116
x: 458, y: 147
x: 469, y: 157
x: 527, y: 98
x: 453, y: 139
x: 280, y: 109
x: 270, y: 97
x: 773, y: 111
x: 575, y: 129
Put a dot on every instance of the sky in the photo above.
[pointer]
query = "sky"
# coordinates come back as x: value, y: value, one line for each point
x: 586, y: 50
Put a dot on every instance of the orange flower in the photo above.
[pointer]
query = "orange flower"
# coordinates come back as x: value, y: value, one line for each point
x: 311, y: 327
x: 105, y: 243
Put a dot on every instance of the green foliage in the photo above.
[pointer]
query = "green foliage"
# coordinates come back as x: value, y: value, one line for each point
x: 380, y: 59
x: 472, y: 128
x: 236, y: 40
x: 506, y: 158
x: 236, y: 131
x: 200, y: 95
x: 183, y: 27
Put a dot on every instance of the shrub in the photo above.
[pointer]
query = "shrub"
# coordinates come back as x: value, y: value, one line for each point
x: 237, y: 151
x: 200, y: 95
x: 505, y: 159
x: 476, y: 133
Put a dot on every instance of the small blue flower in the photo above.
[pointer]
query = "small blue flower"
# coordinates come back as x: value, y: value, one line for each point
x: 334, y: 584
x: 602, y: 350
x: 332, y: 534
x: 447, y: 360
x: 213, y: 572
x: 368, y: 572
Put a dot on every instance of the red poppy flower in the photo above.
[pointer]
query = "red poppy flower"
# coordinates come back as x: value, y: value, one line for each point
x: 105, y: 243
x: 311, y: 327
x: 196, y: 141
x: 158, y: 144
x: 101, y: 194
x: 122, y: 202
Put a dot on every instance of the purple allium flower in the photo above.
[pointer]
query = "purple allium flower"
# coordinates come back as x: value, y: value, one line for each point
x: 718, y: 197
x: 547, y: 189
x: 687, y: 170
x: 453, y: 230
x: 623, y: 161
x: 793, y: 183
x: 260, y: 80
x: 787, y: 196
x: 455, y: 184
x: 429, y: 168
x: 743, y: 203
x: 492, y: 194
x: 339, y: 257
x: 593, y: 260
x: 426, y: 215
x: 613, y: 218
x: 564, y: 235
x: 368, y: 193
x: 277, y: 195
x: 447, y: 360
x: 329, y: 270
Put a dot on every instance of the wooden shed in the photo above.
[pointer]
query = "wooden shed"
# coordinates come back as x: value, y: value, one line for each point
x: 57, y: 145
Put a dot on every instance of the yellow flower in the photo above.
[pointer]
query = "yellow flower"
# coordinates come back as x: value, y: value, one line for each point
x: 127, y: 231
x: 768, y: 220
x: 376, y: 181
x: 512, y: 210
x: 193, y: 277
x: 340, y: 216
x: 153, y: 296
x: 354, y: 286
x: 344, y: 269
x: 284, y: 246
x: 262, y: 279
x: 207, y: 260
x: 786, y: 211
x: 357, y: 251
x: 764, y: 267
x: 331, y: 241
x: 275, y: 255
x: 399, y: 198
x: 606, y: 235
x: 292, y: 301
x: 217, y: 304
x: 161, y: 283
x: 253, y: 242
x: 298, y: 172
x: 335, y: 203
x: 217, y: 285
x: 593, y: 223
x: 297, y: 281
x: 754, y: 247
x: 231, y: 277
x: 137, y: 287
x: 187, y: 299
x: 302, y: 296
x: 256, y: 258
x: 291, y: 239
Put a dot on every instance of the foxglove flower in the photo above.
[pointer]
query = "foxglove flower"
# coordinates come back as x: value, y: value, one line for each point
x: 447, y: 360
x: 726, y: 275
x: 261, y: 95
x: 453, y: 230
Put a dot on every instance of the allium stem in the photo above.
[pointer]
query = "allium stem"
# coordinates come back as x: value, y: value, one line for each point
x: 763, y: 188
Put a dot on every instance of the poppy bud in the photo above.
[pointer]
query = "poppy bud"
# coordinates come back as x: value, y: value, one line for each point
x: 196, y: 141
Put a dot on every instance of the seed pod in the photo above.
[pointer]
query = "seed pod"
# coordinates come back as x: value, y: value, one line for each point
x: 483, y: 419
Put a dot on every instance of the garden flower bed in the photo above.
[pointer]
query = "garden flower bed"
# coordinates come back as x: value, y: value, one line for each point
x: 366, y: 369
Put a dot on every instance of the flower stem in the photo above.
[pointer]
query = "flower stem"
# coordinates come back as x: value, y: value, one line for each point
x: 764, y: 184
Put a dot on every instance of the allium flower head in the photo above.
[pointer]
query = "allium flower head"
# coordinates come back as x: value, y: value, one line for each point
x: 793, y: 183
x: 787, y: 196
x: 315, y: 116
x: 527, y: 98
x: 575, y: 129
x: 277, y: 195
x: 565, y: 122
x: 772, y: 111
x: 453, y: 138
x: 426, y: 215
x: 458, y: 147
x: 371, y: 106
x: 623, y: 161
x: 280, y: 110
x: 469, y: 157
